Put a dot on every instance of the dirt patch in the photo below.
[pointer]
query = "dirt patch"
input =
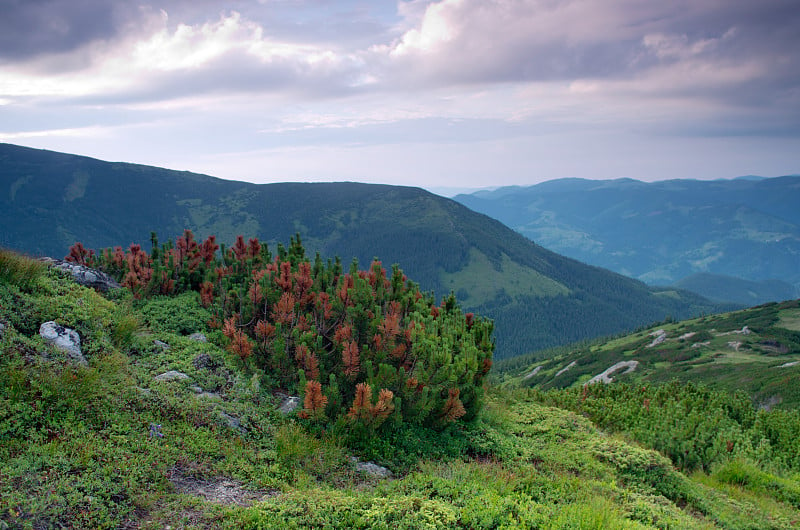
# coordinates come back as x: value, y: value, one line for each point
x: 220, y: 490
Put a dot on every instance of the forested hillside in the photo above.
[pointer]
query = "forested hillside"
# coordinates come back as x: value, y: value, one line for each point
x: 48, y: 201
x: 662, y: 232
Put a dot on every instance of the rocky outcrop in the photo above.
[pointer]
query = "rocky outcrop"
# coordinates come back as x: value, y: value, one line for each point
x: 63, y: 338
x: 606, y: 378
x: 85, y: 275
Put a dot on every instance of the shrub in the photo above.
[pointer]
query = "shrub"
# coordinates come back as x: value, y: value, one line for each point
x: 377, y: 350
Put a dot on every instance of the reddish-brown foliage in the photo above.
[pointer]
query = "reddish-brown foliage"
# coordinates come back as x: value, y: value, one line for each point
x: 264, y: 330
x: 207, y: 294
x: 361, y: 402
x: 240, y: 345
x: 239, y: 249
x: 453, y: 408
x: 384, y: 406
x: 343, y: 333
x: 208, y: 250
x: 314, y: 402
x: 350, y: 358
x: 78, y: 254
x: 307, y: 361
x: 283, y: 311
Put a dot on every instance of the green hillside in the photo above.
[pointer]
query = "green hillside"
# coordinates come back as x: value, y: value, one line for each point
x: 663, y: 232
x: 115, y: 444
x: 755, y: 350
x: 538, y: 299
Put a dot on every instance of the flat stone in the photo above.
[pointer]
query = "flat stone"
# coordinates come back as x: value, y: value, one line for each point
x: 172, y: 375
x: 163, y: 345
x: 371, y: 469
x: 199, y: 337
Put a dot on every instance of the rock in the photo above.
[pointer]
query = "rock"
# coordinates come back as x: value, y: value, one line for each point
x: 563, y: 370
x: 232, y: 421
x: 199, y: 337
x: 289, y: 404
x: 163, y: 345
x: 533, y: 372
x: 371, y: 469
x: 660, y: 336
x: 84, y: 275
x: 172, y: 375
x: 789, y: 364
x: 735, y: 345
x: 64, y: 339
x: 2, y: 328
x: 606, y: 378
x: 203, y: 361
x: 197, y: 389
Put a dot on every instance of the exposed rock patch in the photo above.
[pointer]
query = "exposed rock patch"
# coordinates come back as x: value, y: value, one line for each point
x: 567, y: 367
x: 63, y: 338
x: 172, y: 375
x: 84, y: 275
x: 735, y: 345
x: 533, y: 372
x: 371, y: 469
x: 660, y: 336
x: 286, y: 403
x: 789, y: 364
x: 199, y: 337
x: 606, y: 378
x: 231, y: 421
x: 221, y: 490
x: 203, y: 361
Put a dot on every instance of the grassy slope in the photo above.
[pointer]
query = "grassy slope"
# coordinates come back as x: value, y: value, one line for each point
x: 710, y: 350
x: 75, y: 450
x: 537, y: 298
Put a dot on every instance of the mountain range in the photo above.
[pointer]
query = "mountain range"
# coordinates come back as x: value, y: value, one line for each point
x: 538, y: 298
x: 665, y: 232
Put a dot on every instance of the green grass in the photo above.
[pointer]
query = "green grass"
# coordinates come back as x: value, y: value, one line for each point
x: 480, y: 281
x: 76, y: 449
x: 790, y: 319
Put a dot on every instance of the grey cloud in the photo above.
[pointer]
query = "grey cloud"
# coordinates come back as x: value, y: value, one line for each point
x: 569, y: 39
x: 31, y: 28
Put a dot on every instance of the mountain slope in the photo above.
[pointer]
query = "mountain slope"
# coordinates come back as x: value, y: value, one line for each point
x: 115, y: 444
x: 661, y: 232
x: 756, y: 350
x: 537, y: 298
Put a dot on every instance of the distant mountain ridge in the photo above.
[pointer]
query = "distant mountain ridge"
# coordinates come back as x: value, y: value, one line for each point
x: 661, y: 232
x: 538, y: 298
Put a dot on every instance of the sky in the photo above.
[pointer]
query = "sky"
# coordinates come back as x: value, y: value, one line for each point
x: 446, y: 94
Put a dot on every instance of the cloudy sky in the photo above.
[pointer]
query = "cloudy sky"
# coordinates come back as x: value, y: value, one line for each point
x: 447, y: 93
